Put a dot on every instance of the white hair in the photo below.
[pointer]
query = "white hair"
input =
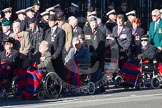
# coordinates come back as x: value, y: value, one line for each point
x: 156, y: 11
x: 16, y: 23
x: 73, y: 19
x: 45, y: 43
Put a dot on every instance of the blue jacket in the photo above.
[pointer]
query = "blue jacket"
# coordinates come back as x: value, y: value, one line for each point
x: 82, y: 55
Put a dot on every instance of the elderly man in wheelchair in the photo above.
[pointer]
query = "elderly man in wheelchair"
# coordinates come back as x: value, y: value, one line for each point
x: 146, y: 54
x: 39, y: 80
x: 9, y: 60
x: 49, y: 85
x: 78, y: 57
x: 148, y: 64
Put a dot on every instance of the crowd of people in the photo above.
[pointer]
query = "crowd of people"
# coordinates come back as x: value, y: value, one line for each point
x: 52, y: 39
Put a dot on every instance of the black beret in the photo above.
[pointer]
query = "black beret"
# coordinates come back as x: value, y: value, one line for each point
x: 60, y: 15
x: 52, y: 18
x: 9, y: 39
x: 144, y: 37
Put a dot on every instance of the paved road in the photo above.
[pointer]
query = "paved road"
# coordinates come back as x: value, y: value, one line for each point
x: 110, y: 99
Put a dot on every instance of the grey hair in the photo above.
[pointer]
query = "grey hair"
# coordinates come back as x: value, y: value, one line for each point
x: 45, y: 44
x: 156, y: 11
x: 74, y: 19
x: 16, y: 22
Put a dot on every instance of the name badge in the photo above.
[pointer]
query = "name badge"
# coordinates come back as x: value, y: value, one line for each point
x: 137, y: 38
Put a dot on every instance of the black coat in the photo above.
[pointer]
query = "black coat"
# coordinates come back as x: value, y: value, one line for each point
x: 137, y: 35
x: 129, y: 24
x: 36, y: 37
x: 23, y: 24
x: 124, y: 39
x: 97, y: 39
x: 13, y: 58
x: 77, y: 32
x: 37, y: 16
x: 56, y: 41
x: 44, y: 25
x: 110, y: 24
x: 147, y: 53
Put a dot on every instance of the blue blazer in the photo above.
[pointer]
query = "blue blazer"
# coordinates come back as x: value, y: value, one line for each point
x: 82, y: 55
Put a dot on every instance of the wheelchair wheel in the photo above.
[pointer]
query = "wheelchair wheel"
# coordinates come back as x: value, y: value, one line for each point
x: 117, y: 80
x: 41, y: 95
x: 138, y: 86
x: 51, y: 86
x: 91, y: 88
x: 3, y: 94
x: 155, y: 83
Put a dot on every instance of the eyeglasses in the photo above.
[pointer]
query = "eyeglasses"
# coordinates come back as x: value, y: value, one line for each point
x: 144, y: 40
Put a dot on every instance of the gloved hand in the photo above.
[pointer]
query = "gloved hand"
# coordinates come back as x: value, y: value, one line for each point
x: 53, y: 57
x: 8, y: 68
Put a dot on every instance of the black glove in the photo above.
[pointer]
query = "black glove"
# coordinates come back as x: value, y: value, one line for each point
x: 8, y: 68
x: 53, y: 57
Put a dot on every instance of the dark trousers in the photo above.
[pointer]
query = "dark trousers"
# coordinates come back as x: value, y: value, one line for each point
x: 59, y: 68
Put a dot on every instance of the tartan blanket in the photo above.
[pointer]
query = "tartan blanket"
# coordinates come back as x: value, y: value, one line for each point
x: 160, y: 68
x: 72, y: 73
x: 130, y: 72
x: 28, y: 81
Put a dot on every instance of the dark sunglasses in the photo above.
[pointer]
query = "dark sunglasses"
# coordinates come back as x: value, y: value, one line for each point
x: 144, y: 40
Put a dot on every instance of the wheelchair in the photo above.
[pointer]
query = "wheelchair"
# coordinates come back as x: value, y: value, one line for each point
x: 111, y: 68
x: 50, y: 86
x: 10, y: 90
x: 85, y: 72
x: 150, y: 73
